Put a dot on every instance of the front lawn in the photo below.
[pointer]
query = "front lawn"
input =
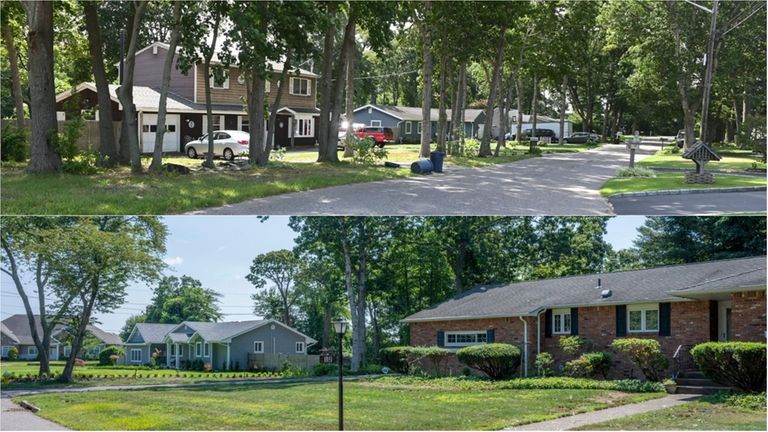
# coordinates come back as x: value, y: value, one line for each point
x: 674, y: 181
x: 732, y: 160
x: 371, y: 404
x: 710, y: 413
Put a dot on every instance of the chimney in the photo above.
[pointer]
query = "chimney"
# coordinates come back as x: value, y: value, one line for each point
x: 599, y: 283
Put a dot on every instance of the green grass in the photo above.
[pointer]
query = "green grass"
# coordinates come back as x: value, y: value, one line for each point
x: 312, y: 406
x: 673, y: 181
x: 732, y: 160
x: 697, y: 415
x: 97, y: 376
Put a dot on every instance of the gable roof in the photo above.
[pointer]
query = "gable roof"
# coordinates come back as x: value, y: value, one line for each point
x: 406, y: 113
x: 18, y: 325
x: 8, y: 333
x: 660, y: 284
x: 225, y: 331
x: 152, y: 333
x: 104, y: 336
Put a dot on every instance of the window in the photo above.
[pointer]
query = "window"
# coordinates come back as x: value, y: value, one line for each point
x: 300, y: 86
x: 419, y: 127
x: 408, y: 128
x: 305, y: 127
x: 4, y: 351
x: 643, y: 318
x: 206, y: 350
x: 216, y: 122
x: 67, y: 350
x: 173, y: 349
x: 456, y: 339
x: 258, y: 347
x: 218, y: 84
x: 170, y: 128
x: 561, y: 321
x: 32, y: 351
x: 199, y: 349
x: 136, y: 355
x: 376, y: 123
x: 300, y: 347
x: 245, y: 124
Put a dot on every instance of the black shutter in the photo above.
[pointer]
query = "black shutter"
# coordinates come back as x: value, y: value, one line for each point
x: 621, y: 320
x: 713, y: 320
x: 548, y: 323
x: 574, y: 321
x: 665, y: 315
x: 490, y: 336
x: 440, y: 338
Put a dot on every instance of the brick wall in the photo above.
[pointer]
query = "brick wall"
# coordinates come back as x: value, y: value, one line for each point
x: 748, y: 316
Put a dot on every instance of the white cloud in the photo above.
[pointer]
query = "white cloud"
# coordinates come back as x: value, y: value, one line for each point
x: 173, y: 261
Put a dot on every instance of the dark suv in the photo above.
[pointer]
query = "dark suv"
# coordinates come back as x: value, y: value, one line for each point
x: 540, y: 133
x: 380, y: 135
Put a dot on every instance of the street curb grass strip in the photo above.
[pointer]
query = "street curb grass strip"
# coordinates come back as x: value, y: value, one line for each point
x: 728, y: 172
x: 687, y: 191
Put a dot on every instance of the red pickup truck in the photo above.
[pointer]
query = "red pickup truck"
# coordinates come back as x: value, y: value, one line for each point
x: 380, y: 135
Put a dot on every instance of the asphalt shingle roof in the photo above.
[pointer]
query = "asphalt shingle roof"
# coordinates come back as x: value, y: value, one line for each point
x: 8, y: 333
x: 414, y: 113
x: 221, y: 331
x: 18, y: 325
x: 153, y: 332
x: 658, y: 284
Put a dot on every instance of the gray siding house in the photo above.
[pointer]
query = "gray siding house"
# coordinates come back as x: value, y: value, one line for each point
x: 406, y: 121
x: 224, y: 345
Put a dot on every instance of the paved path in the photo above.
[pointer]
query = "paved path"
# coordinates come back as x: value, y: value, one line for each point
x: 556, y: 184
x: 16, y: 418
x: 691, y: 204
x: 593, y: 417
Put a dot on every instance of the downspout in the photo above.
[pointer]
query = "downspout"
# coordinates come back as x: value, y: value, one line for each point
x: 538, y: 333
x: 525, y: 345
x: 399, y: 131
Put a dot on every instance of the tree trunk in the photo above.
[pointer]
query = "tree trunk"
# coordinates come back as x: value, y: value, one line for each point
x: 42, y: 92
x: 350, y: 102
x: 456, y: 125
x: 207, y: 85
x: 13, y: 60
x: 485, y: 144
x: 157, y: 155
x: 376, y: 340
x: 503, y: 121
x: 442, y: 116
x: 256, y: 98
x: 125, y: 92
x: 426, y: 102
x: 327, y: 88
x: 347, y: 47
x: 534, y: 105
x: 327, y: 317
x: 563, y: 106
x: 519, y: 91
x: 284, y: 81
x: 462, y: 102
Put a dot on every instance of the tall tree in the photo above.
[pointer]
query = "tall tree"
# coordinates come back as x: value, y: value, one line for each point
x: 42, y: 93
x: 274, y: 275
x: 424, y: 23
x: 182, y: 299
x: 129, y: 131
x: 11, y: 12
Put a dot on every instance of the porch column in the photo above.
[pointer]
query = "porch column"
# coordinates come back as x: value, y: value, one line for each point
x: 167, y: 354
x: 228, y: 344
x: 177, y: 356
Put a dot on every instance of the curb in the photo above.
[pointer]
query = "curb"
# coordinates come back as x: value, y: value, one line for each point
x: 688, y: 191
x: 724, y: 172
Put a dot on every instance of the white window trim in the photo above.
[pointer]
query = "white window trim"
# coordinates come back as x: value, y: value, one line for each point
x: 206, y: 350
x: 300, y: 347
x: 309, y: 86
x: 408, y: 127
x: 298, y: 132
x: 375, y: 123
x: 224, y: 85
x: 134, y: 350
x: 261, y: 343
x: 32, y: 350
x: 463, y: 344
x: 561, y: 313
x: 643, y: 308
x: 198, y: 349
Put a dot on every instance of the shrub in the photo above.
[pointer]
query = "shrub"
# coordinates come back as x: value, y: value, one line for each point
x: 196, y: 365
x: 543, y: 363
x: 13, y: 145
x: 82, y: 164
x: 289, y: 370
x: 367, y: 152
x: 497, y: 360
x: 753, y: 402
x: 109, y: 355
x: 277, y: 155
x: 636, y: 172
x: 646, y: 354
x: 572, y: 345
x: 13, y: 353
x: 79, y: 362
x: 435, y: 355
x: 735, y: 364
x: 396, y: 358
x: 590, y: 365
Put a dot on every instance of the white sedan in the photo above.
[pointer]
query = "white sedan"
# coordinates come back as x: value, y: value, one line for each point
x: 226, y: 143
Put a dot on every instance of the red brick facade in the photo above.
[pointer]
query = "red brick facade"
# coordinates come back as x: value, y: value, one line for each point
x: 690, y: 323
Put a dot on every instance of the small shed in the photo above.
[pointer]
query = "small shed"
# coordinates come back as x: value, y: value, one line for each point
x: 700, y: 154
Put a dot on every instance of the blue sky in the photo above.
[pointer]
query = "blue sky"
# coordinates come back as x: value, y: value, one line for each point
x: 218, y: 250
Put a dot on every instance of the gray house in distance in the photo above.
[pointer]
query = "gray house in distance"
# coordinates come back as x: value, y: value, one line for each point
x: 224, y: 345
x: 406, y: 121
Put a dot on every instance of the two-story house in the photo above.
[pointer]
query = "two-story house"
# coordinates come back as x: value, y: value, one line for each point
x: 186, y: 111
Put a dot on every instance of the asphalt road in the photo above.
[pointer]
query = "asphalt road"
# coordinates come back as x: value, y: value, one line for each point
x: 557, y: 184
x: 691, y: 204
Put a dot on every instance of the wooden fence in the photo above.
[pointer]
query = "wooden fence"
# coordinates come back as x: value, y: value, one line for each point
x: 275, y: 361
x: 89, y: 136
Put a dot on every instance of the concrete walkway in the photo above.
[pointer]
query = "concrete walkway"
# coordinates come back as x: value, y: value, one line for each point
x: 578, y: 420
x: 555, y: 184
x: 16, y: 418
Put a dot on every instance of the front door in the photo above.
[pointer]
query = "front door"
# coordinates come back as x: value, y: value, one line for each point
x: 282, y: 125
x: 724, y: 320
x: 191, y: 128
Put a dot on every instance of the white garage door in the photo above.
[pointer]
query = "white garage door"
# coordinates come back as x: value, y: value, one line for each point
x: 149, y: 128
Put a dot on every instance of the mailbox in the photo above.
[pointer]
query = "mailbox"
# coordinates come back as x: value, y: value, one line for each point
x: 326, y: 356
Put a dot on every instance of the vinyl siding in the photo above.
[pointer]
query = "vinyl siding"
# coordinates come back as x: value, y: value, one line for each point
x: 149, y: 72
x: 236, y: 90
x: 279, y: 340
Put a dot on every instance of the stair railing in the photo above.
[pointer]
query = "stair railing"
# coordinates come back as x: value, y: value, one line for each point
x: 683, y: 359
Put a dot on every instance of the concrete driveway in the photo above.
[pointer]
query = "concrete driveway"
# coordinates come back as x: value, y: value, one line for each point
x: 16, y: 418
x: 557, y: 184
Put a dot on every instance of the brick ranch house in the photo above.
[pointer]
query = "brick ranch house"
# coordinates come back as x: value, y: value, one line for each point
x: 678, y: 305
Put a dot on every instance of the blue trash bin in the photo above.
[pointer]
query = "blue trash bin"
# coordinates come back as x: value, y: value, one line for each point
x: 437, y: 161
x: 422, y: 166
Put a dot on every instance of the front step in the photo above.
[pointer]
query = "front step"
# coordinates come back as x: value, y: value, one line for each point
x: 692, y: 373
x: 701, y: 390
x: 702, y: 382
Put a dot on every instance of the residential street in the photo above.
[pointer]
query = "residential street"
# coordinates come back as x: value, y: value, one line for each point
x: 557, y: 184
x: 691, y: 204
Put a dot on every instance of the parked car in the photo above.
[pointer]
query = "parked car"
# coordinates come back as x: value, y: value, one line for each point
x: 226, y: 144
x: 680, y: 138
x: 540, y: 133
x: 583, y: 138
x: 380, y: 135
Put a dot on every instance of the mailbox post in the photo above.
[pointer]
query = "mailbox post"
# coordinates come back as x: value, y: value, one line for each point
x: 532, y: 141
x: 632, y: 146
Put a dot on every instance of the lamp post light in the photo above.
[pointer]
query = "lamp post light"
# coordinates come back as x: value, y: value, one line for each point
x: 340, y: 326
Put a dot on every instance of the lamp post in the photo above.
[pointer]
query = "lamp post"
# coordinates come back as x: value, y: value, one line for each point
x: 340, y: 326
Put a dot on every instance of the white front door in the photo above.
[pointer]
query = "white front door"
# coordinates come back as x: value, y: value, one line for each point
x: 149, y: 129
x: 724, y: 320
